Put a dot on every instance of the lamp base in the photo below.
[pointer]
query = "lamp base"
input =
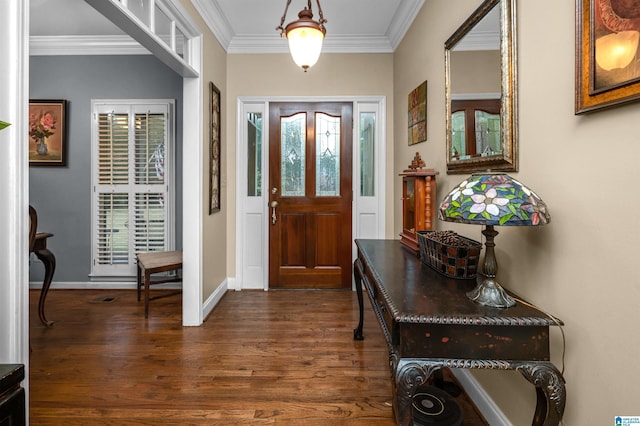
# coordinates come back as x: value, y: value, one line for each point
x: 490, y: 293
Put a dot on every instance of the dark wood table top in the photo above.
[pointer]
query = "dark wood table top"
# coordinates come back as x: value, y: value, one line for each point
x: 10, y: 376
x: 415, y: 293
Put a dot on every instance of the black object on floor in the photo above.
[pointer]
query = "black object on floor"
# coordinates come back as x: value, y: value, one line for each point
x: 434, y: 407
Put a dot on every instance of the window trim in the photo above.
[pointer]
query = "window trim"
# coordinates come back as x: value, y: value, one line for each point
x: 97, y: 106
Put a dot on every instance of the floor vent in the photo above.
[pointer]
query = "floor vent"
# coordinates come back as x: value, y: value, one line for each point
x: 104, y: 299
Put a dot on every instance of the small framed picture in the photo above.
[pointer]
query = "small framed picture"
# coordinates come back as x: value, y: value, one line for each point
x: 417, y: 109
x: 47, y: 132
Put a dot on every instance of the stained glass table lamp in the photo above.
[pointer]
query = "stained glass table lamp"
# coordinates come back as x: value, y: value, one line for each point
x: 493, y: 199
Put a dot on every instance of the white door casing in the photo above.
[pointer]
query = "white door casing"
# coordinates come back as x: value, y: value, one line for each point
x: 253, y: 212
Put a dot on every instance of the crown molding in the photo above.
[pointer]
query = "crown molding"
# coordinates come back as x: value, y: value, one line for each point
x: 214, y: 18
x: 332, y: 44
x: 402, y: 20
x: 231, y: 43
x: 85, y: 45
x: 479, y: 40
x: 357, y: 44
x: 216, y: 21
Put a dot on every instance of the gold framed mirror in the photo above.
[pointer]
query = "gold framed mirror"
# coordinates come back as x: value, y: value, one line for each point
x: 480, y: 91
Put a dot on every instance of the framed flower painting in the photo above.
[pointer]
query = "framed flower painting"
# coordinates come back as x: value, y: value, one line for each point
x: 47, y: 132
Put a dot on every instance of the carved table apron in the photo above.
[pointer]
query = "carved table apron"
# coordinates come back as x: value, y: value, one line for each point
x: 429, y: 323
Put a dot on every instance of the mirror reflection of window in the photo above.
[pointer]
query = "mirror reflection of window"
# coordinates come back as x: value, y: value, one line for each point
x: 475, y: 128
x: 458, y: 135
x: 487, y: 133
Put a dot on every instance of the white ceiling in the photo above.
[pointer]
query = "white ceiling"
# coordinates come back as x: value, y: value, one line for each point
x: 50, y: 18
x: 242, y: 26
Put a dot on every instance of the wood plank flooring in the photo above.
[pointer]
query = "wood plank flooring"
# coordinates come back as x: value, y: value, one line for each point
x: 279, y: 358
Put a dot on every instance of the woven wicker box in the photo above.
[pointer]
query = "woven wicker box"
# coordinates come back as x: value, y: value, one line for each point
x: 454, y: 262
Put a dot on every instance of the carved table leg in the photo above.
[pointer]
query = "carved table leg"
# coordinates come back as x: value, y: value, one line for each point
x: 357, y: 273
x: 408, y: 375
x: 49, y: 261
x: 550, y: 391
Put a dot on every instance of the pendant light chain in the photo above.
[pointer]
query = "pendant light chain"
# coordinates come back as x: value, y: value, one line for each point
x: 284, y: 16
x: 321, y: 21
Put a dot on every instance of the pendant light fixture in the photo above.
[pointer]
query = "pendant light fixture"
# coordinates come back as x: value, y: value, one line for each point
x: 305, y: 35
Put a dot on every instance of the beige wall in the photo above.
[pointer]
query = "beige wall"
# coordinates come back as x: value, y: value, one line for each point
x: 273, y: 75
x: 214, y: 227
x: 580, y: 267
x: 476, y: 71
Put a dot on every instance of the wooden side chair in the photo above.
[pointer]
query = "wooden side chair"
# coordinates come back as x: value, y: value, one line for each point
x: 38, y: 245
x: 33, y: 225
x: 153, y: 263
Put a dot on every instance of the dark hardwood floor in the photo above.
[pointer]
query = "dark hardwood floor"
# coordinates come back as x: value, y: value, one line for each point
x: 278, y: 357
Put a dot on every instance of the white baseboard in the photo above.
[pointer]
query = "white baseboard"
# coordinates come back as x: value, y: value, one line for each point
x: 215, y: 297
x: 232, y: 283
x: 98, y: 285
x: 480, y: 398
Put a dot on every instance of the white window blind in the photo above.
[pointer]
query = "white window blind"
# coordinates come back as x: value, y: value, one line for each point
x: 133, y: 164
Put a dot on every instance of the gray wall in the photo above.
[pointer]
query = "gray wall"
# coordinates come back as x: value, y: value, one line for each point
x: 62, y: 195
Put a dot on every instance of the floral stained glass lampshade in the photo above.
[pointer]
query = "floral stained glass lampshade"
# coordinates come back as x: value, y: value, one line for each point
x: 493, y: 199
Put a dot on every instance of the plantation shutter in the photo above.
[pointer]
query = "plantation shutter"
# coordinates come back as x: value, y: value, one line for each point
x: 131, y: 189
x: 149, y: 207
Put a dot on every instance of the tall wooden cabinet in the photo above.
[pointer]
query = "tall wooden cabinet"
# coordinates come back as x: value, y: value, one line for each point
x: 418, y: 202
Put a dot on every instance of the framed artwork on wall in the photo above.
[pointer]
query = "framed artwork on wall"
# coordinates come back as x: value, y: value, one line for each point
x: 417, y: 109
x: 607, y: 54
x: 47, y: 132
x: 214, y: 149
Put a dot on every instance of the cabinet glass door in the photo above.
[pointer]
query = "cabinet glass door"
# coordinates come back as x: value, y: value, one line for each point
x: 409, y: 199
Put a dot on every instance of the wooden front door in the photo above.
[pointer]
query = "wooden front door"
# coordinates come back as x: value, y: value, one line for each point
x: 310, y: 195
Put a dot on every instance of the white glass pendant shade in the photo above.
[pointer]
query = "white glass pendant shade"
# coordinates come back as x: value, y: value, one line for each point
x: 616, y: 50
x: 305, y: 44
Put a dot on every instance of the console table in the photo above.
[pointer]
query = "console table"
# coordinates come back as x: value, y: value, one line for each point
x: 429, y: 323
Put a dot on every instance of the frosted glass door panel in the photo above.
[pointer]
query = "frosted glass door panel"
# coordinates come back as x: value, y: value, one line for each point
x: 367, y: 151
x: 327, y: 155
x: 254, y: 154
x: 293, y: 154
